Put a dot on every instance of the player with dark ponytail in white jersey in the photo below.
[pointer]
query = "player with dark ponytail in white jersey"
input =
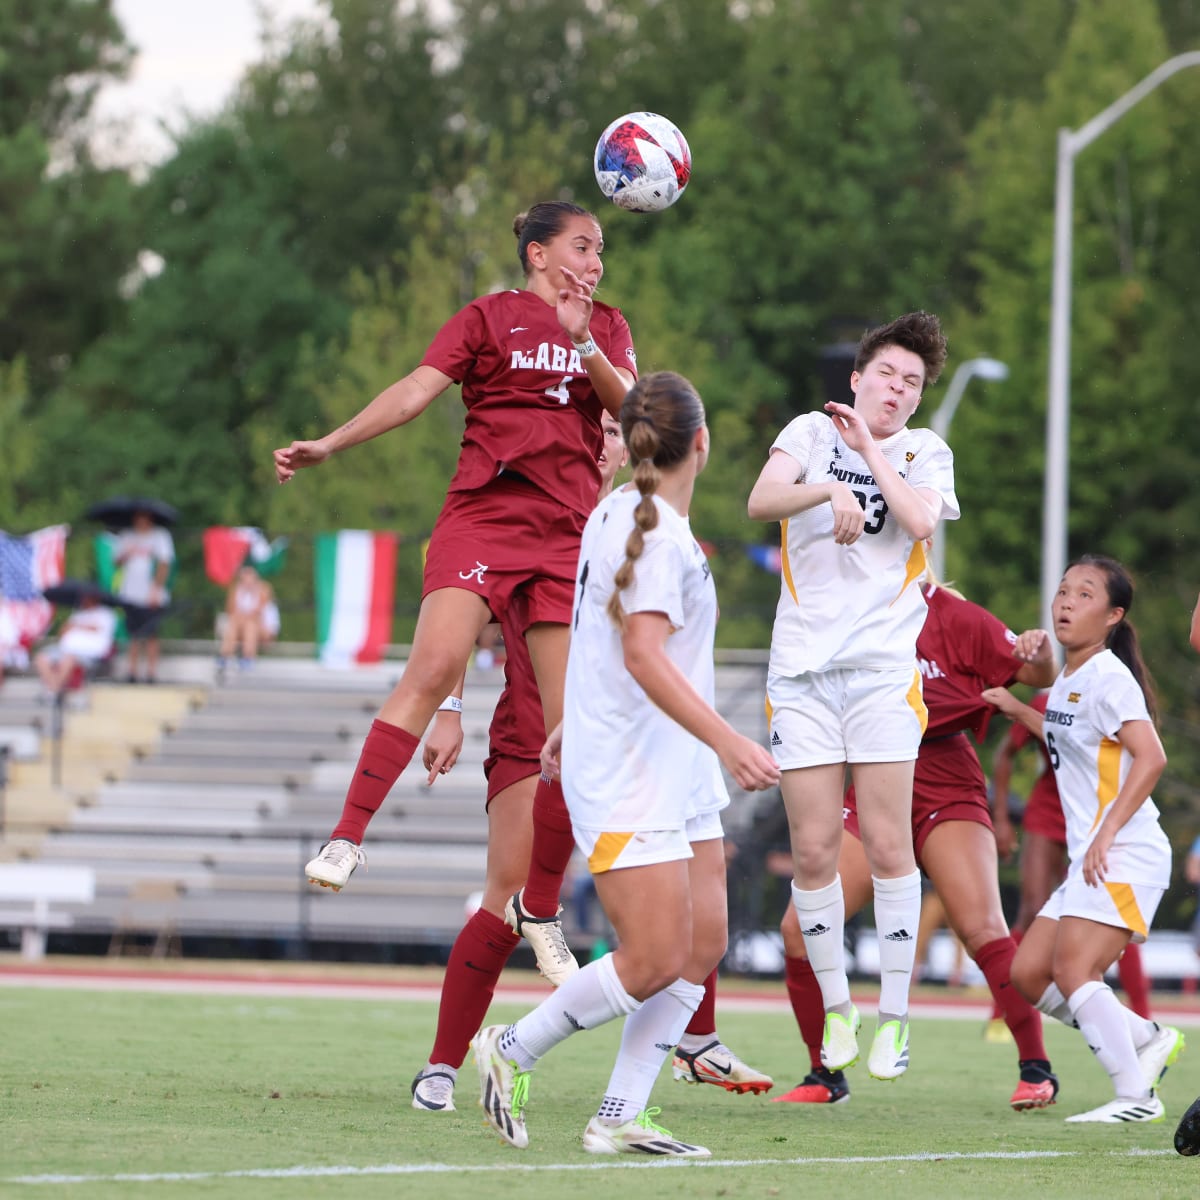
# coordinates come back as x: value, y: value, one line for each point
x: 1099, y: 730
x: 639, y: 750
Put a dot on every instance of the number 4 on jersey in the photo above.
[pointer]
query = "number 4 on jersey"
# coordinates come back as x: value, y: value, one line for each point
x: 559, y: 392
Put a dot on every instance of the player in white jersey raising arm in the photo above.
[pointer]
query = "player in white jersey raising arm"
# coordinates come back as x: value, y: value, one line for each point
x: 1100, y: 735
x: 857, y: 493
x: 639, y: 744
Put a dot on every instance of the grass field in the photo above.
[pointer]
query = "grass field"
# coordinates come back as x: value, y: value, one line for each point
x: 269, y: 1097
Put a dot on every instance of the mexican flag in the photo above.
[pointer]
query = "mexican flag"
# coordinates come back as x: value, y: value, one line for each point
x: 229, y: 547
x: 356, y: 587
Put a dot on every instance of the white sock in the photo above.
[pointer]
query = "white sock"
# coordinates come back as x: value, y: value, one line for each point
x: 591, y: 997
x: 897, y: 914
x: 1102, y: 1022
x: 650, y: 1034
x: 1140, y: 1029
x: 823, y: 925
x: 1054, y: 1004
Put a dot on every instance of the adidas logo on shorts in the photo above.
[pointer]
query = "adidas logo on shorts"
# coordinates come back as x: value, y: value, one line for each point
x: 776, y: 740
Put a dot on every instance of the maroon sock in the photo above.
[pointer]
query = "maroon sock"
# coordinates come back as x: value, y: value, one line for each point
x: 553, y: 843
x: 997, y: 1011
x: 805, y: 994
x: 995, y: 961
x: 1133, y: 980
x: 476, y: 960
x: 704, y: 1019
x: 386, y: 752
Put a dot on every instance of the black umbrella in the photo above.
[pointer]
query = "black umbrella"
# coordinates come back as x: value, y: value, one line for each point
x: 118, y: 512
x: 73, y: 593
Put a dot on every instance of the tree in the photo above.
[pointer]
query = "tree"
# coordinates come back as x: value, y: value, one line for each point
x: 67, y: 234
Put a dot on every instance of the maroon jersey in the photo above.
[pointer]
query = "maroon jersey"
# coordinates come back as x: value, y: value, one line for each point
x: 531, y: 408
x: 961, y: 650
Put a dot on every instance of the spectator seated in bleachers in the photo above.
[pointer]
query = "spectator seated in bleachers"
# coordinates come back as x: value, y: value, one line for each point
x: 85, y: 641
x: 251, y: 618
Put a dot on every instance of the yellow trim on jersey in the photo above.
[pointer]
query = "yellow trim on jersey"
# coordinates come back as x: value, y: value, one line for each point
x: 916, y: 701
x: 783, y: 561
x: 914, y: 569
x: 1108, y: 776
x: 1127, y: 906
x: 606, y: 851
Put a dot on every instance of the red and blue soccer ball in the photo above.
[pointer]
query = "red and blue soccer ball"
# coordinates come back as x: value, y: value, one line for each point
x: 643, y: 162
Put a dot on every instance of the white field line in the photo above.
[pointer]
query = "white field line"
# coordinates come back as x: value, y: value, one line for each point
x: 314, y: 989
x: 635, y: 1165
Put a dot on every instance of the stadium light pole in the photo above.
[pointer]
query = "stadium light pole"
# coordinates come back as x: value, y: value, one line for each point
x: 991, y: 369
x: 1058, y: 401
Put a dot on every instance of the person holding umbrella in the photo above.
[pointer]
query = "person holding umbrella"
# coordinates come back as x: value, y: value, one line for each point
x: 144, y: 552
x: 84, y: 640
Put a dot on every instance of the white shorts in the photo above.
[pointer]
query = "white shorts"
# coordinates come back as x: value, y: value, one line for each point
x: 1123, y: 905
x: 845, y: 715
x: 608, y: 851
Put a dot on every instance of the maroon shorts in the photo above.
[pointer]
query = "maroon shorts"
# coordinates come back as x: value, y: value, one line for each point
x: 948, y: 785
x: 1043, y: 812
x: 504, y: 540
x: 518, y: 728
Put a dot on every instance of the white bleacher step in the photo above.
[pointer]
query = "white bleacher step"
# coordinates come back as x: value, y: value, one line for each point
x: 24, y: 743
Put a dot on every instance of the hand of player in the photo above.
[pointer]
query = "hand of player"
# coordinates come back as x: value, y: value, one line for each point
x: 551, y: 756
x: 443, y: 745
x: 850, y: 425
x: 1034, y: 646
x: 1095, y: 861
x: 848, y: 515
x: 574, y: 306
x: 1006, y: 838
x: 751, y: 765
x: 1002, y: 699
x: 292, y: 458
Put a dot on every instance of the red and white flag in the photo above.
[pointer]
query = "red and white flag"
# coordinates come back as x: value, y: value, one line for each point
x: 29, y: 564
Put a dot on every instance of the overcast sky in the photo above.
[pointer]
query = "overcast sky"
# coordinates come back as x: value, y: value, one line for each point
x: 190, y: 55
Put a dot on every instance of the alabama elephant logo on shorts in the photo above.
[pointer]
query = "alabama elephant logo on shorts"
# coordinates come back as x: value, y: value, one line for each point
x: 476, y: 572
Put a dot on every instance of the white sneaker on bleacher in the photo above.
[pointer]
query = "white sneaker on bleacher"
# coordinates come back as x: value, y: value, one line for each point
x: 334, y: 865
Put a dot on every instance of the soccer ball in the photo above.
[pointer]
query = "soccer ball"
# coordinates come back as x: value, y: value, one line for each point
x: 643, y: 162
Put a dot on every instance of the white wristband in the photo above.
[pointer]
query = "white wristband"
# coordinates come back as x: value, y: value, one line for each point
x: 586, y: 349
x: 450, y: 704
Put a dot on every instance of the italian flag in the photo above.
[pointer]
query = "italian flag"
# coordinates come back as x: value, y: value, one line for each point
x: 356, y: 586
x: 227, y: 548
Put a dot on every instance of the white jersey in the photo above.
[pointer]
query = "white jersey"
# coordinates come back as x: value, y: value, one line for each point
x: 1084, y: 713
x: 626, y: 766
x: 856, y: 606
x: 140, y: 553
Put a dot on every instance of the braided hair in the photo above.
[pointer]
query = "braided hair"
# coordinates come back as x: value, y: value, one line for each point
x: 659, y: 418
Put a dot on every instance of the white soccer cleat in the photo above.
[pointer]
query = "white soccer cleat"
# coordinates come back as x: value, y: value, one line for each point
x: 334, y: 865
x: 1122, y: 1112
x: 504, y: 1089
x: 639, y: 1136
x: 839, y: 1045
x: 889, y: 1051
x: 718, y: 1065
x: 1159, y: 1053
x: 433, y: 1089
x: 545, y: 935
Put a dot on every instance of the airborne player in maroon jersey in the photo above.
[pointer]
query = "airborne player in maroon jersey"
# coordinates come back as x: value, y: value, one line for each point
x: 962, y: 649
x: 537, y: 366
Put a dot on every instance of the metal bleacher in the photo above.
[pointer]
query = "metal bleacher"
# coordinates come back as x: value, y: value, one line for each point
x: 216, y: 814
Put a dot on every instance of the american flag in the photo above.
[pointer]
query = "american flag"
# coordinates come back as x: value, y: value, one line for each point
x: 29, y: 564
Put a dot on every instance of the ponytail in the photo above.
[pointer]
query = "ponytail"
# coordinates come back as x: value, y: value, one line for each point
x: 1122, y: 638
x: 660, y: 416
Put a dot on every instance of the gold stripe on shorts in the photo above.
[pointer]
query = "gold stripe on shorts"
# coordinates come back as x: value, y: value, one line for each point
x: 916, y: 701
x: 1127, y: 905
x: 608, y: 848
